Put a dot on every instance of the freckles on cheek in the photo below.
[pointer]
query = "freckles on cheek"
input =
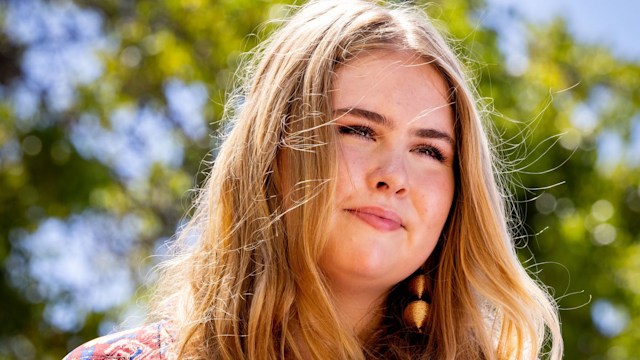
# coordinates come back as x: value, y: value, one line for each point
x: 347, y: 175
x: 436, y: 197
x: 444, y: 185
x: 343, y: 186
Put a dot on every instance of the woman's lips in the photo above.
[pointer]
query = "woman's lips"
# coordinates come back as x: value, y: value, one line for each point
x: 378, y: 218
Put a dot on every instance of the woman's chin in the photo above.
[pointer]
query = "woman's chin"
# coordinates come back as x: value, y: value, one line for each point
x: 365, y: 271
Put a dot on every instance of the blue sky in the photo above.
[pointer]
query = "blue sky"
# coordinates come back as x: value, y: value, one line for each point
x: 613, y: 23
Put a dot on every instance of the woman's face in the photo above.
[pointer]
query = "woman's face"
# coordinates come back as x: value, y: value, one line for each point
x: 395, y: 181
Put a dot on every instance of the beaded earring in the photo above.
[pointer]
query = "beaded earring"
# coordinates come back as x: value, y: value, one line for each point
x: 415, y: 314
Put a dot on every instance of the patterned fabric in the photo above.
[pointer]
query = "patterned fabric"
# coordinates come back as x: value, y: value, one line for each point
x: 150, y: 342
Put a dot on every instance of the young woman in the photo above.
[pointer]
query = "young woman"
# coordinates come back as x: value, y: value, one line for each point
x: 352, y: 212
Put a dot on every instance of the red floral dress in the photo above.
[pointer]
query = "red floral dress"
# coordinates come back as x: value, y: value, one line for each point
x: 150, y: 342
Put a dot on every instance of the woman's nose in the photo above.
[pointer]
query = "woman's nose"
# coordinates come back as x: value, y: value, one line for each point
x: 389, y: 175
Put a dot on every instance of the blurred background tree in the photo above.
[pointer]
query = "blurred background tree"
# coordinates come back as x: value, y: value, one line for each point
x: 107, y: 109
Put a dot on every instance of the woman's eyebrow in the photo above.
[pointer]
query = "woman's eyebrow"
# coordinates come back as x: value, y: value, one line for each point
x: 434, y: 134
x: 366, y: 114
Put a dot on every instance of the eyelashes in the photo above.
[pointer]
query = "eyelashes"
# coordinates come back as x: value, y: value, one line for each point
x: 361, y: 131
x: 368, y: 133
x: 432, y: 151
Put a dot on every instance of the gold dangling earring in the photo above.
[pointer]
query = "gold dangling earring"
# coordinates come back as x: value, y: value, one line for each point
x: 415, y: 314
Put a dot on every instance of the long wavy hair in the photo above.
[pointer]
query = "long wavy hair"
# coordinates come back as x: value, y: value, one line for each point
x: 245, y: 283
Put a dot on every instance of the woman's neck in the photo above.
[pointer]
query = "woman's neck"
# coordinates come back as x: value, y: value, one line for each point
x: 359, y: 311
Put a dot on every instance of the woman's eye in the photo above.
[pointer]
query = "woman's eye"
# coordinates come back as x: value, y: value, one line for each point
x: 431, y: 151
x: 362, y: 131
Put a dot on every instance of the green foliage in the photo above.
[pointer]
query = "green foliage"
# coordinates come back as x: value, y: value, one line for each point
x: 579, y: 203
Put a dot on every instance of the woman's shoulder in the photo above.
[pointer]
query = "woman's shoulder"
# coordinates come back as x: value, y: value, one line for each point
x: 150, y: 342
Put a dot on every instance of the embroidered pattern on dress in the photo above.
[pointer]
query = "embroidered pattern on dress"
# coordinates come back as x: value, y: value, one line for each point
x: 150, y: 342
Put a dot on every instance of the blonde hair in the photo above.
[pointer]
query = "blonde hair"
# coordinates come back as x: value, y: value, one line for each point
x: 249, y: 285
